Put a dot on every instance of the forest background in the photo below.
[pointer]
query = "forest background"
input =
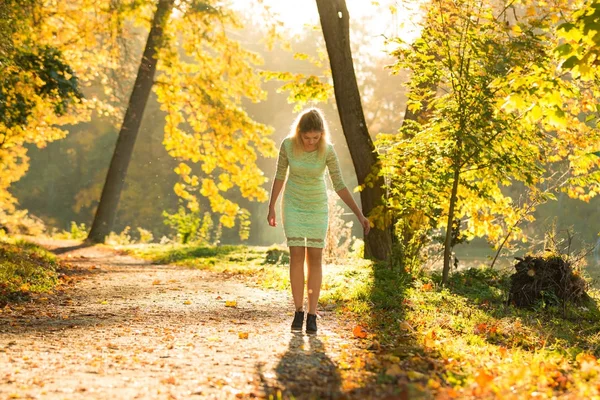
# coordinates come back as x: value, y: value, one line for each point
x: 64, y: 180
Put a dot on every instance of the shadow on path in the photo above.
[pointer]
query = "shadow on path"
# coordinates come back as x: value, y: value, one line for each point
x: 304, y: 372
x: 63, y: 250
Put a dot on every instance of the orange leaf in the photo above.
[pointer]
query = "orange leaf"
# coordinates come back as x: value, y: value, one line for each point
x: 481, y: 328
x: 502, y: 351
x: 359, y: 332
x: 243, y: 335
x: 170, y: 380
x: 483, y: 378
x: 426, y: 287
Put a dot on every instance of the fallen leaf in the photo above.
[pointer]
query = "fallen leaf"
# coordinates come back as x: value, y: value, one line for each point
x: 170, y: 380
x: 243, y: 335
x: 415, y: 375
x: 481, y: 328
x: 230, y: 303
x: 430, y: 339
x: 405, y: 326
x: 359, y: 332
x: 156, y: 282
x: 502, y: 351
x: 187, y: 302
x: 483, y: 378
x: 394, y: 370
x: 375, y: 346
x: 391, y: 358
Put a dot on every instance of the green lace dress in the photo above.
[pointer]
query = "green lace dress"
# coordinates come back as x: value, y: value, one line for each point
x: 304, y: 205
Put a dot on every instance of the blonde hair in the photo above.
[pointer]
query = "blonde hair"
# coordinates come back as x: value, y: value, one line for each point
x: 309, y: 120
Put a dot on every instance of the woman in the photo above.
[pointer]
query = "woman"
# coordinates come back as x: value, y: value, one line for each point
x: 307, y: 152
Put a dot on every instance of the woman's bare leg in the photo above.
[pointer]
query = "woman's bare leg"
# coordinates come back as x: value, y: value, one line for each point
x: 315, y: 276
x: 297, y: 275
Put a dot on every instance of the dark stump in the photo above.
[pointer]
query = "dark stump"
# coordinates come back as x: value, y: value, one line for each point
x: 551, y: 279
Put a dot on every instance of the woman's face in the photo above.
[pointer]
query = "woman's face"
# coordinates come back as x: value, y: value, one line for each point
x: 311, y: 139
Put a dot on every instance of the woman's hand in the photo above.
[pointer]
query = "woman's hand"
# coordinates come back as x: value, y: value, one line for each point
x: 271, y: 218
x: 366, y: 224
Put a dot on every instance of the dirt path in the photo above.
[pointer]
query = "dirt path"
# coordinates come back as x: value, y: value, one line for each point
x: 130, y: 330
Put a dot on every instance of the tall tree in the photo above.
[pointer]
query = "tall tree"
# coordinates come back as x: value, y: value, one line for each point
x: 115, y: 177
x: 482, y: 136
x: 39, y: 92
x: 335, y: 23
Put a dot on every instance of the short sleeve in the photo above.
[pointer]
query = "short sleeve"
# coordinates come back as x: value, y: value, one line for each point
x: 333, y: 166
x: 282, y: 163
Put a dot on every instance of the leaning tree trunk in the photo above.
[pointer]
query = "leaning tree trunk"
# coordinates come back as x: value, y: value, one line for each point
x: 111, y: 192
x: 335, y: 25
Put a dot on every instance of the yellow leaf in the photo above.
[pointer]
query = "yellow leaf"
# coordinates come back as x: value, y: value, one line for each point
x: 415, y: 375
x: 531, y: 11
x: 405, y: 326
x: 230, y: 303
x: 243, y: 335
x: 394, y: 370
x: 187, y: 302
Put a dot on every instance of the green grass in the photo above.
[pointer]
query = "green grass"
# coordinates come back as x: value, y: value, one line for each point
x: 25, y: 268
x: 268, y: 266
x: 253, y: 262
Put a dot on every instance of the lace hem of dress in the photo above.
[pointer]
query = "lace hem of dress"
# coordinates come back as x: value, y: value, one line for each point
x: 305, y: 242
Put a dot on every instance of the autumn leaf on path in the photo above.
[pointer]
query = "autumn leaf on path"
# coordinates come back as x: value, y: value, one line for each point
x: 394, y: 370
x: 230, y: 303
x: 187, y: 302
x: 170, y: 380
x: 404, y: 326
x: 483, y: 379
x: 243, y: 335
x: 430, y: 339
x: 415, y: 375
x: 359, y: 332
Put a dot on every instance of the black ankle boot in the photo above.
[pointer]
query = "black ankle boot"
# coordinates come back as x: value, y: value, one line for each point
x: 311, y: 323
x: 298, y: 320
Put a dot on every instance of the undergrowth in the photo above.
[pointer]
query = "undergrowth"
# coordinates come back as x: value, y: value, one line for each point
x: 25, y: 268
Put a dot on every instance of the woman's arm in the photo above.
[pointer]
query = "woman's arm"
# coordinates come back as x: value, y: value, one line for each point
x: 280, y: 175
x: 349, y: 200
x: 340, y: 188
x: 275, y: 190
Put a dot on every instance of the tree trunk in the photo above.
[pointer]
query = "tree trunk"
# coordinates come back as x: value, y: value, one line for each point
x: 111, y: 192
x: 335, y: 25
x: 448, y: 239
